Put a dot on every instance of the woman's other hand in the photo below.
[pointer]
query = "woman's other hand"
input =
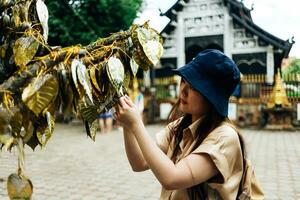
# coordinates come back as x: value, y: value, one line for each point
x: 126, y: 113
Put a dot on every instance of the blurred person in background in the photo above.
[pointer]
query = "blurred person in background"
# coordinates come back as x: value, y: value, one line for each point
x: 105, y: 122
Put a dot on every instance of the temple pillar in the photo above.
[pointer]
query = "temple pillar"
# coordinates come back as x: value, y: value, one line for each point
x: 180, y: 43
x: 228, y: 35
x: 270, y: 65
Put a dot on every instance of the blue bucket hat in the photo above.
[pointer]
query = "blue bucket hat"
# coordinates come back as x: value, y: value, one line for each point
x: 214, y: 75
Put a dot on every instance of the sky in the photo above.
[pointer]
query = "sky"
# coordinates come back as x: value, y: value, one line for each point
x: 280, y: 18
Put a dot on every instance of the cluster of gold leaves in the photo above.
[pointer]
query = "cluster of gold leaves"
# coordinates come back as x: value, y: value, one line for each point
x: 87, y: 80
x: 39, y: 80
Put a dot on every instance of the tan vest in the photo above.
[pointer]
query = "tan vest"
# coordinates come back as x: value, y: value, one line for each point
x: 222, y: 145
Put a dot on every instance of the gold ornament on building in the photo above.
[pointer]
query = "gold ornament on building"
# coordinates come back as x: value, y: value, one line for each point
x: 278, y: 97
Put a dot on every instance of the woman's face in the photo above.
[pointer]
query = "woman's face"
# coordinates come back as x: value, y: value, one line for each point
x: 191, y: 101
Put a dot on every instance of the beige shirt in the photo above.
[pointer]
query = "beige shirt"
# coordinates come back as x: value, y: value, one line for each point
x: 222, y: 145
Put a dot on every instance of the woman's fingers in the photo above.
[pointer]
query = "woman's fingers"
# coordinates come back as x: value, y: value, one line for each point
x: 117, y: 116
x: 128, y: 101
x: 120, y: 106
x: 121, y: 102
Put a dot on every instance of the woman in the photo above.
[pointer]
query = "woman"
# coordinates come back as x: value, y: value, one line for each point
x: 199, y: 155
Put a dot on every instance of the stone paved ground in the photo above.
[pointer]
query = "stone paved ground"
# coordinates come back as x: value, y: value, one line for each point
x: 73, y: 167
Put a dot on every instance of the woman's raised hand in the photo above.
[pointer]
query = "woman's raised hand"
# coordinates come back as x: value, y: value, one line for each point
x: 126, y: 113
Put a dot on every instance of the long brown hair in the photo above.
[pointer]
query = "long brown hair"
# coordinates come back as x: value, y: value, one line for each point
x: 211, y: 120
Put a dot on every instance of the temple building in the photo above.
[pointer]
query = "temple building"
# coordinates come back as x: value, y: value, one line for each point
x: 227, y: 25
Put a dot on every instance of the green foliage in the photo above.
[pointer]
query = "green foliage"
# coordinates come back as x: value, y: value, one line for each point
x: 83, y: 21
x: 292, y: 73
x: 294, y: 67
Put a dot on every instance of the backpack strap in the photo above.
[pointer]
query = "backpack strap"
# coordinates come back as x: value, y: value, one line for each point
x: 244, y: 166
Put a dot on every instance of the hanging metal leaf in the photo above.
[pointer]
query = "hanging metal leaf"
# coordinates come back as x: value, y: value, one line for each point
x: 127, y: 79
x: 89, y: 113
x: 81, y: 81
x: 6, y: 136
x: 78, y: 87
x: 24, y: 50
x: 7, y: 139
x: 91, y: 129
x: 50, y: 122
x: 75, y: 63
x: 39, y: 94
x: 93, y: 71
x: 16, y: 15
x: 114, y: 100
x: 108, y: 101
x: 33, y: 140
x: 139, y: 56
x: 53, y: 106
x: 27, y: 126
x: 5, y: 116
x: 147, y: 55
x: 27, y: 132
x: 24, y: 12
x: 66, y: 92
x: 5, y: 20
x: 16, y: 122
x: 96, y: 91
x: 43, y: 15
x: 19, y: 187
x: 83, y: 78
x: 40, y: 125
x: 115, y: 72
x: 103, y: 80
x: 5, y: 3
x: 134, y: 66
x: 44, y: 137
x: 153, y: 50
x: 3, y: 49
